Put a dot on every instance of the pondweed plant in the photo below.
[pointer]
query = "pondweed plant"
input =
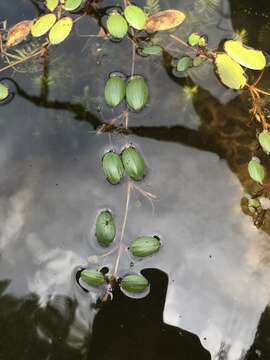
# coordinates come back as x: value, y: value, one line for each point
x: 139, y: 26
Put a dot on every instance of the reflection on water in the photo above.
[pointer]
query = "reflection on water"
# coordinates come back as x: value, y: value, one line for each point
x: 52, y: 187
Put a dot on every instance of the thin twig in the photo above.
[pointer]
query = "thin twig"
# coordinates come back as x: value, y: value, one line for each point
x: 11, y: 65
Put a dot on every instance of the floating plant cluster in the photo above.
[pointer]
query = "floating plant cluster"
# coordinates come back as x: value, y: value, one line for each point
x: 114, y: 167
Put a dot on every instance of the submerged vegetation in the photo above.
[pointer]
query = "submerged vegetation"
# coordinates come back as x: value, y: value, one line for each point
x: 233, y: 66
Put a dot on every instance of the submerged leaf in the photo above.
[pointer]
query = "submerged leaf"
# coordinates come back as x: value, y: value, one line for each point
x: 164, y: 20
x: 135, y: 17
x: 198, y: 60
x: 184, y: 63
x: 51, y: 4
x: 117, y: 26
x: 230, y: 72
x: 133, y: 163
x: 256, y: 170
x: 137, y: 93
x: 18, y: 32
x: 264, y: 140
x: 115, y: 91
x: 134, y: 283
x: 4, y: 92
x: 248, y: 57
x: 71, y: 5
x: 43, y: 24
x: 105, y: 228
x: 145, y: 246
x: 61, y: 30
x: 92, y: 277
x: 152, y: 50
x: 113, y: 167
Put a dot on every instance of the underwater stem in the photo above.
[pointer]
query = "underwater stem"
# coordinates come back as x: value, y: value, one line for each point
x: 120, y: 245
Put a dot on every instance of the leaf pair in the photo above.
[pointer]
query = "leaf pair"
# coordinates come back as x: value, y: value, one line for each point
x: 136, y: 92
x: 130, y: 161
x: 58, y: 30
x: 229, y: 64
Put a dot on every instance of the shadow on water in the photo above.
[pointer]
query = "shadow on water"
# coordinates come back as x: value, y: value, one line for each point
x: 123, y: 328
x: 134, y: 329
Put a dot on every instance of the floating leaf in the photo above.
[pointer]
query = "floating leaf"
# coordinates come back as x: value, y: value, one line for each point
x: 133, y: 163
x: 264, y: 140
x: 71, y: 5
x: 113, y: 167
x: 194, y: 39
x: 115, y: 91
x: 92, y: 277
x: 230, y: 72
x: 202, y: 41
x: 61, y: 30
x: 18, y: 32
x: 4, y: 92
x: 248, y: 57
x: 51, y: 4
x: 135, y: 17
x: 256, y: 170
x: 134, y: 283
x: 105, y: 228
x: 164, y: 20
x: 137, y: 93
x: 184, y: 63
x: 152, y: 50
x: 145, y: 246
x: 117, y: 26
x: 43, y: 24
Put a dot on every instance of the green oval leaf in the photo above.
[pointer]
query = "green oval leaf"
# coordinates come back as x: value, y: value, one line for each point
x: 92, y: 277
x: 184, y: 63
x: 115, y: 91
x: 135, y: 17
x: 51, y: 4
x: 113, y: 167
x: 145, y: 246
x: 134, y: 283
x: 248, y: 57
x: 4, y: 92
x: 43, y: 25
x: 256, y: 170
x: 105, y: 228
x: 230, y: 72
x: 133, y: 163
x: 137, y: 93
x: 194, y: 39
x: 264, y: 140
x: 152, y: 50
x: 71, y: 5
x: 60, y: 31
x: 117, y: 26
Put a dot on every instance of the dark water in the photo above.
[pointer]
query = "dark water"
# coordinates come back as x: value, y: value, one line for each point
x: 210, y: 284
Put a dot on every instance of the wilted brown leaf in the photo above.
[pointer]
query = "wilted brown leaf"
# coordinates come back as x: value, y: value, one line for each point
x: 164, y: 20
x: 18, y: 32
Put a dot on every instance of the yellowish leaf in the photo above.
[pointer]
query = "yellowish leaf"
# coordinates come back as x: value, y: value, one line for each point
x: 248, y: 57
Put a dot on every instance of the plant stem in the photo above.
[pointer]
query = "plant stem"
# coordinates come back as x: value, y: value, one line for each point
x: 120, y: 245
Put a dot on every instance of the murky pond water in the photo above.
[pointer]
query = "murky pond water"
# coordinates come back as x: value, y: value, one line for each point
x: 210, y: 283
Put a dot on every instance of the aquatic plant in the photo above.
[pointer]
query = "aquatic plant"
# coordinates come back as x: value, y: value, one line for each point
x: 139, y: 25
